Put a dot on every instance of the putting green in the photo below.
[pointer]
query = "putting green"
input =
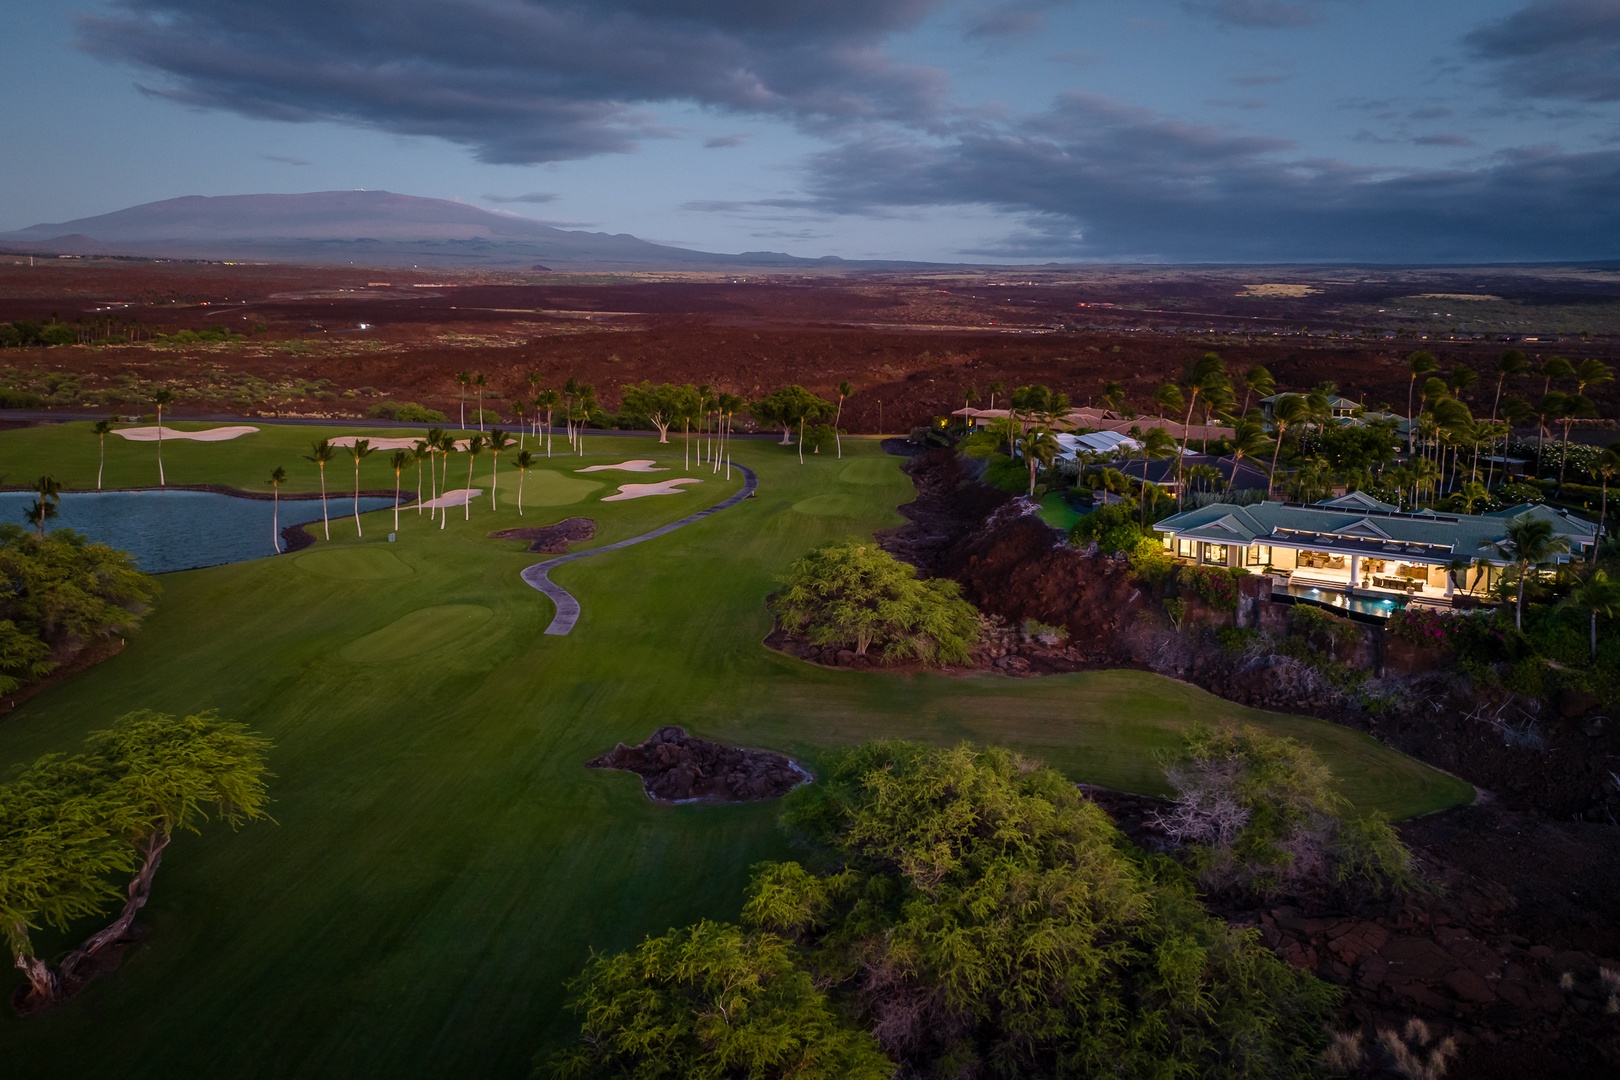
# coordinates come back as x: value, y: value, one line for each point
x: 440, y: 860
x: 833, y: 504
x: 544, y: 487
x: 354, y: 564
x: 870, y: 471
x: 423, y: 630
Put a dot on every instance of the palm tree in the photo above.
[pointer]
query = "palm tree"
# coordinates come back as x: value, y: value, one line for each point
x: 1112, y: 397
x: 321, y: 453
x: 1606, y: 467
x: 475, y: 446
x: 49, y: 489
x: 278, y: 476
x: 996, y: 386
x: 844, y: 391
x: 1257, y: 380
x: 399, y: 460
x: 524, y: 462
x: 1592, y: 372
x: 547, y: 400
x: 359, y: 451
x: 1472, y: 494
x: 1285, y: 410
x: 497, y: 441
x: 1247, y: 438
x: 435, y: 439
x: 464, y: 378
x: 1597, y: 595
x: 1574, y: 406
x: 1419, y: 363
x: 1555, y: 367
x: 480, y: 382
x: 420, y: 452
x: 1512, y: 362
x: 162, y: 397
x: 518, y: 409
x: 1039, y: 448
x: 447, y: 446
x: 1462, y: 378
x: 1528, y: 545
x: 102, y: 429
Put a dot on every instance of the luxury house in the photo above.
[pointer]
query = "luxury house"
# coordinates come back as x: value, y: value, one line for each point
x: 1355, y: 545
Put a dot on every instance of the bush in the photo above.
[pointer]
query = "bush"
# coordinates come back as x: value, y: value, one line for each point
x: 1215, y: 586
x: 1112, y: 527
x: 1150, y: 561
x: 407, y: 411
x: 1317, y: 625
x: 1005, y: 474
x: 1423, y: 626
x: 1514, y: 493
x: 856, y: 595
x: 1045, y: 633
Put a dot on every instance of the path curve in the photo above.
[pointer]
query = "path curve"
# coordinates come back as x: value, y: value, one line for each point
x: 536, y: 576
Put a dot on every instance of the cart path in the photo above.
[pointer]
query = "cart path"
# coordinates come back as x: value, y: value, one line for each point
x: 537, y: 576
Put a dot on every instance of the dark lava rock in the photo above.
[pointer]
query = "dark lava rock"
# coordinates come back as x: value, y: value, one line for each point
x: 551, y: 539
x: 675, y: 767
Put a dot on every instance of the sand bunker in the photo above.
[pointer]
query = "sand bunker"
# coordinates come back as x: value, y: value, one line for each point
x: 455, y: 497
x: 641, y: 491
x: 638, y: 465
x: 387, y: 443
x: 150, y: 434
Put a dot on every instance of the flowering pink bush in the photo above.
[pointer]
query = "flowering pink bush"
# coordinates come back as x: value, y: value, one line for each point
x: 1423, y: 626
x: 1213, y: 585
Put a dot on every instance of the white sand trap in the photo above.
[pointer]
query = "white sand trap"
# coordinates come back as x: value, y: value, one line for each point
x: 150, y: 434
x: 376, y: 444
x: 457, y: 497
x: 638, y: 465
x: 641, y: 491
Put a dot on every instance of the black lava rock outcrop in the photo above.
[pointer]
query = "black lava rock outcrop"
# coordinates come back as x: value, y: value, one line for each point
x: 675, y: 767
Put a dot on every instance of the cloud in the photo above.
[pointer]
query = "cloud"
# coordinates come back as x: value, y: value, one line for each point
x: 1260, y: 14
x: 1556, y: 49
x: 523, y: 81
x: 723, y: 142
x: 531, y: 197
x: 1238, y: 103
x: 1260, y: 80
x: 283, y: 160
x: 1005, y: 20
x: 1095, y: 179
x: 1443, y: 140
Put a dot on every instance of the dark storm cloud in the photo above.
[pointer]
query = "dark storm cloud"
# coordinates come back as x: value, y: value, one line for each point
x: 526, y: 80
x: 1096, y: 179
x: 1556, y: 49
x: 531, y: 197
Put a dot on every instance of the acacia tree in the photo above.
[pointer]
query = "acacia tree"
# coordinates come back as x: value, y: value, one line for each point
x: 788, y: 407
x: 856, y: 594
x: 278, y: 476
x: 360, y: 450
x: 321, y: 453
x: 655, y: 404
x: 102, y: 429
x: 113, y: 809
x: 524, y: 462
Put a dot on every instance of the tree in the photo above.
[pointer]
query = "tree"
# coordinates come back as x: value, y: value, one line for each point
x: 856, y: 594
x: 1286, y: 410
x: 1511, y: 362
x: 161, y: 397
x: 1418, y: 363
x: 360, y: 449
x: 1607, y: 468
x: 986, y: 919
x: 475, y: 446
x: 464, y: 379
x: 519, y: 407
x: 447, y: 446
x: 421, y: 451
x: 1247, y: 439
x: 711, y: 1000
x: 497, y: 441
x: 321, y: 453
x: 278, y: 476
x: 1257, y: 380
x: 136, y: 784
x: 49, y: 490
x: 788, y: 407
x: 844, y: 391
x: 102, y: 429
x: 658, y: 405
x: 1597, y: 595
x: 1529, y: 545
x: 480, y: 382
x: 996, y: 386
x: 1038, y: 447
x: 524, y: 462
x: 1555, y: 367
x: 399, y: 460
x: 1572, y: 408
x: 547, y: 400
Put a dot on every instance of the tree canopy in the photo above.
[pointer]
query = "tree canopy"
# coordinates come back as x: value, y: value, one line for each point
x: 787, y: 406
x: 856, y: 594
x: 659, y: 405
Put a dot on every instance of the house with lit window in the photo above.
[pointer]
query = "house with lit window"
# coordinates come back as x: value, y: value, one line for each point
x: 1356, y: 546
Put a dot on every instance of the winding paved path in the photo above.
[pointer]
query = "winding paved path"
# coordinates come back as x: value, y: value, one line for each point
x: 567, y: 607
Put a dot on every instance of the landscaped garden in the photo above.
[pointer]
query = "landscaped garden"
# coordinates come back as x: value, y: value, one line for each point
x: 439, y: 860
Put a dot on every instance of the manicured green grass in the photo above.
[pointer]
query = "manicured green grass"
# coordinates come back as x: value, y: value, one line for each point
x: 440, y: 860
x: 1056, y: 511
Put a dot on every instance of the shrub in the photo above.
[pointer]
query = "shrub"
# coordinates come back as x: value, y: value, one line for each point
x: 1045, y: 633
x: 1516, y: 492
x: 857, y: 595
x: 1215, y: 586
x: 1150, y: 561
x: 407, y: 411
x: 1424, y: 626
x: 1318, y: 625
x: 1236, y: 640
x: 1112, y: 527
x: 1005, y: 474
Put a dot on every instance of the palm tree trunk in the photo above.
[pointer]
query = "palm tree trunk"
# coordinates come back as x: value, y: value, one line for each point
x: 275, y: 518
x: 418, y: 487
x: 466, y: 504
x: 1411, y: 427
x: 1271, y: 477
x: 522, y: 475
x: 161, y: 481
x: 396, y: 500
x: 1594, y: 635
x: 686, y: 443
x: 1518, y: 607
x: 103, y: 462
x: 358, y: 531
x: 494, y: 479
x: 838, y: 419
x: 326, y: 524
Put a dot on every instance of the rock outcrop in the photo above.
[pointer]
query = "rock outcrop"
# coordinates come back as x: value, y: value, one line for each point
x: 551, y: 539
x: 675, y: 767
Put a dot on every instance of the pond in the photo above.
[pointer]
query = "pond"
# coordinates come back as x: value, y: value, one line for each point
x: 181, y: 530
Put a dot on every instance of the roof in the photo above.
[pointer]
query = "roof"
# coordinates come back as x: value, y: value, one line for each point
x: 1355, y: 530
x: 1097, y: 442
x: 1563, y: 522
x: 1163, y: 471
x: 1335, y: 401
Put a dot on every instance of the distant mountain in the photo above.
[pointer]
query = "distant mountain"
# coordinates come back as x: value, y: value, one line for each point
x: 368, y: 227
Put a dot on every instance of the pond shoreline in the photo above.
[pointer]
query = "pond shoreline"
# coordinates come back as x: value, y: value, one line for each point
x: 405, y: 497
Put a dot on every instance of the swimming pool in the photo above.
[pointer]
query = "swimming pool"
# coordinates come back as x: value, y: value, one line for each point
x: 1367, y: 604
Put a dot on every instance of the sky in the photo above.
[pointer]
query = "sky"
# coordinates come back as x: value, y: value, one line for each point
x: 1418, y: 131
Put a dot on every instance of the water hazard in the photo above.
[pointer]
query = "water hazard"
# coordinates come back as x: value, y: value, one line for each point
x: 184, y: 530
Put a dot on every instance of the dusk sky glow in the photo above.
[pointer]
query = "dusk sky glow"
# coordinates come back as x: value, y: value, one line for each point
x: 1180, y: 130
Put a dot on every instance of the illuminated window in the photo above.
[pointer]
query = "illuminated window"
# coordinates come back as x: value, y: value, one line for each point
x: 1259, y: 555
x: 1215, y: 553
x: 1184, y: 548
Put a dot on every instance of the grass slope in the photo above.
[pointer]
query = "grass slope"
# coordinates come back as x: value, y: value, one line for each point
x: 440, y: 861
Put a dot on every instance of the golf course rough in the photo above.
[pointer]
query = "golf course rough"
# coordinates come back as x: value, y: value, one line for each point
x: 440, y: 860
